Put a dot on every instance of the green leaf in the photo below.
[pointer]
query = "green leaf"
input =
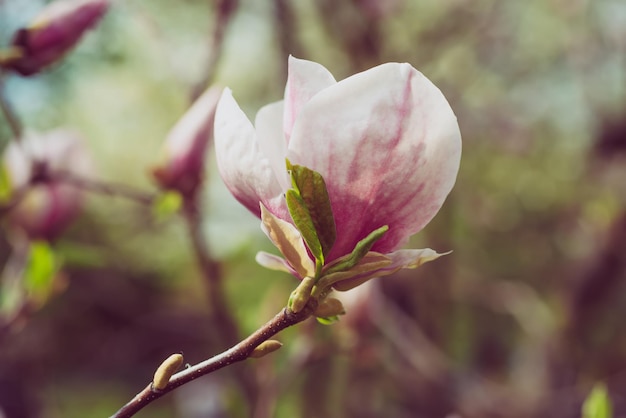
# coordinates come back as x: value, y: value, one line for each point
x: 368, y: 267
x: 360, y: 250
x: 41, y: 268
x: 310, y: 186
x: 327, y: 320
x: 598, y: 403
x: 166, y: 204
x: 302, y: 219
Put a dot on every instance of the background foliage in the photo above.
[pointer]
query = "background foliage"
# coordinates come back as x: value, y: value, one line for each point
x: 521, y: 320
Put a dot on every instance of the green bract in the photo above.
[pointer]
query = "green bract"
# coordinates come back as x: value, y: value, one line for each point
x: 310, y: 210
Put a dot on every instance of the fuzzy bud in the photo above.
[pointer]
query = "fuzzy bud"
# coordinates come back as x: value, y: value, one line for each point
x: 165, y: 371
x: 265, y: 348
x: 329, y: 307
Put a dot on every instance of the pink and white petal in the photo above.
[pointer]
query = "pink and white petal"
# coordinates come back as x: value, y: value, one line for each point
x: 401, y: 259
x: 414, y: 258
x: 305, y: 79
x: 269, y: 131
x: 245, y: 170
x: 274, y: 262
x: 288, y: 240
x: 341, y: 133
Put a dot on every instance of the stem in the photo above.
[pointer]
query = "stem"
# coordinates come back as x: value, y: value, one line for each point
x: 8, y: 113
x: 237, y: 353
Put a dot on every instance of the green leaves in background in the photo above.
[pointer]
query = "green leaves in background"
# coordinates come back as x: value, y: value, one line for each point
x: 41, y: 269
x: 5, y: 184
x: 166, y: 204
x: 598, y: 403
x: 309, y: 207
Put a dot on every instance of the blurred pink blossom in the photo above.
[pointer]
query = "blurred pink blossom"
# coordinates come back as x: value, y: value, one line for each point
x: 182, y: 167
x: 56, y: 30
x: 46, y: 205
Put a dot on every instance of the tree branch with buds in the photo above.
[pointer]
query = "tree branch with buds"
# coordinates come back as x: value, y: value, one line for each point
x: 252, y: 346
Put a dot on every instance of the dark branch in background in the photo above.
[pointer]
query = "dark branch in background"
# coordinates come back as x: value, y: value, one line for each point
x: 223, y: 329
x: 224, y: 11
x: 286, y: 31
x: 237, y: 353
x: 357, y: 33
x: 105, y: 188
x: 8, y: 113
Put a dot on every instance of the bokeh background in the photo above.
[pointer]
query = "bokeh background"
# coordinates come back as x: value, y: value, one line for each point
x: 521, y: 320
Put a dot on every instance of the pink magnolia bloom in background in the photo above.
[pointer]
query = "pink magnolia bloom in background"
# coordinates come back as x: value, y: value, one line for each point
x: 56, y: 30
x: 182, y: 167
x: 46, y: 205
x: 385, y: 141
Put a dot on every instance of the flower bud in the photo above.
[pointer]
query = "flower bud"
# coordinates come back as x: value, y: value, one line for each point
x: 166, y: 370
x: 301, y: 295
x: 265, y: 348
x: 45, y: 205
x: 55, y: 31
x: 182, y: 167
x: 329, y: 307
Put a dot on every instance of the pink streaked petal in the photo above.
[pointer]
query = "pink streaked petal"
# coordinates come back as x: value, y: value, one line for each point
x: 269, y: 130
x: 245, y: 170
x: 358, y: 135
x: 274, y: 262
x: 305, y: 80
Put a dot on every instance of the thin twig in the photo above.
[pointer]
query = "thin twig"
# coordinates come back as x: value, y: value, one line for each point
x: 8, y: 113
x: 241, y: 351
x: 106, y: 188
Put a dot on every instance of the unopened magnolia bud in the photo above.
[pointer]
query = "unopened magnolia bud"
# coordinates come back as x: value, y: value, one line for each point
x: 182, y: 167
x: 47, y: 205
x: 265, y: 348
x: 329, y: 307
x: 56, y: 30
x: 166, y: 370
x: 300, y: 297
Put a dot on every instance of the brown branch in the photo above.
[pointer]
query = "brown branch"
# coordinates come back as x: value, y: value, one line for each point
x: 237, y: 353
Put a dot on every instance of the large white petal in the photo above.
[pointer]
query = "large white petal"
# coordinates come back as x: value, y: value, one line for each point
x: 305, y: 79
x: 269, y: 131
x: 245, y: 170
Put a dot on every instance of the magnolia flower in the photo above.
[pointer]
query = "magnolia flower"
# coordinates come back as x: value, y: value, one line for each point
x: 45, y: 205
x: 52, y: 33
x: 385, y: 141
x: 182, y: 167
